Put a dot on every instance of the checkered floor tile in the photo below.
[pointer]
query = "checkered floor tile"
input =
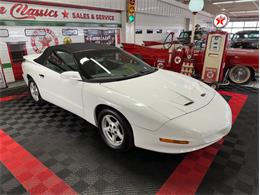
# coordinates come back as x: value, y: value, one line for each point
x: 74, y: 151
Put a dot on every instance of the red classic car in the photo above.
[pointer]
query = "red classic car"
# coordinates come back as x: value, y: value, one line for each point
x: 242, y: 64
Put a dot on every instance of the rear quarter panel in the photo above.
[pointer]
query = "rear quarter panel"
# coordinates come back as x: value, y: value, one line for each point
x: 244, y: 57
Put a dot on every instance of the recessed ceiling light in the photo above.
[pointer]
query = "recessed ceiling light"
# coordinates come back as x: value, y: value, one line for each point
x: 229, y: 2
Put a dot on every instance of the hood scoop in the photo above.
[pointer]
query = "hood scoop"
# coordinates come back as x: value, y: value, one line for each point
x: 189, y: 103
x: 182, y: 101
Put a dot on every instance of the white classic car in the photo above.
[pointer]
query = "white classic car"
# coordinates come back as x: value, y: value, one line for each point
x: 132, y: 103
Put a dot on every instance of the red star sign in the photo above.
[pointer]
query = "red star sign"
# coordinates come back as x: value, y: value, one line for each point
x: 220, y: 20
x: 45, y: 42
x: 65, y: 14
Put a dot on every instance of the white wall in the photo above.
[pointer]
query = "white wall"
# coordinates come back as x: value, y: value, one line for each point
x: 167, y: 15
x: 155, y: 22
x: 109, y: 4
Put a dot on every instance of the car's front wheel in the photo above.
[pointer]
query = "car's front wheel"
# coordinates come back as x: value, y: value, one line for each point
x: 35, y: 93
x: 115, y: 130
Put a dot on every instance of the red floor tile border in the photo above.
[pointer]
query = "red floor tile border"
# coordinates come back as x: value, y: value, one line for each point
x: 13, y: 97
x: 188, y: 175
x: 35, y: 177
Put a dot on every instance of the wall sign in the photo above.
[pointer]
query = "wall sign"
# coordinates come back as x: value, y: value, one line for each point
x: 100, y: 36
x: 24, y: 11
x: 39, y: 43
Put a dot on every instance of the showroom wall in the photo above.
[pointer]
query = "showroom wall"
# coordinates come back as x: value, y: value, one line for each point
x: 25, y: 30
x: 160, y: 16
x: 102, y: 21
x: 108, y: 4
x: 156, y: 18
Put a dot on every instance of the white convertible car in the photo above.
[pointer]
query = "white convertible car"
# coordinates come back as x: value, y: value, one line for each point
x: 132, y: 103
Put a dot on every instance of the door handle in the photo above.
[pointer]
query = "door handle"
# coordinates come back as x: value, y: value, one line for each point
x: 41, y: 75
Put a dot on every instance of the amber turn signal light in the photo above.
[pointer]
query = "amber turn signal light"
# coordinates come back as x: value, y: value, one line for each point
x: 174, y: 141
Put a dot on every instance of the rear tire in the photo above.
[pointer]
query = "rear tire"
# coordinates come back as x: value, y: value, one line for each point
x: 35, y: 93
x: 240, y: 74
x: 115, y: 130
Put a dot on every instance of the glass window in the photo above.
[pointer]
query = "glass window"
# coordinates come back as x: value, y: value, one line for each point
x: 149, y: 31
x: 185, y: 34
x: 4, y: 33
x: 238, y: 24
x: 67, y: 61
x: 159, y: 31
x: 54, y: 63
x: 111, y: 64
x: 253, y: 35
x: 139, y: 31
x: 229, y: 25
x: 251, y: 24
x: 234, y: 30
x: 61, y: 62
x: 229, y: 30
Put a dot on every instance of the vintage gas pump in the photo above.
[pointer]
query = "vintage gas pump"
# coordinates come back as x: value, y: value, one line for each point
x: 214, y: 57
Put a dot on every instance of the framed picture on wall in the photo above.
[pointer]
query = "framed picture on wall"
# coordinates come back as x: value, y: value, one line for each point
x: 100, y: 36
x: 70, y: 32
x: 34, y: 32
x: 4, y: 33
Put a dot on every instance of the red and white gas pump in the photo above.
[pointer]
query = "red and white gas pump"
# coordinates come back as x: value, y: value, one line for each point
x: 215, y: 54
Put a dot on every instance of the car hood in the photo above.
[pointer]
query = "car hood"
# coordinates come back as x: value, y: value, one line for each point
x: 165, y: 92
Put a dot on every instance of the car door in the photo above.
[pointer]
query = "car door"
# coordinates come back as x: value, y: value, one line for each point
x: 62, y: 92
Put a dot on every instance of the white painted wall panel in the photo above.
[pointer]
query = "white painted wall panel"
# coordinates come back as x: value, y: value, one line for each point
x: 167, y: 15
x: 110, y: 4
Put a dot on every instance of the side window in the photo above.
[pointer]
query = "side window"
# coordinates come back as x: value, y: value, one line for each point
x: 54, y: 63
x: 68, y: 61
x: 60, y: 62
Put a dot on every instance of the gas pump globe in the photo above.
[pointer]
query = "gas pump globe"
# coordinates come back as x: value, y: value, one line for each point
x: 195, y: 6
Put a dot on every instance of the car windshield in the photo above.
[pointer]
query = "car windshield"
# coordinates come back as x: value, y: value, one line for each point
x: 111, y: 64
x: 186, y: 34
x: 246, y: 35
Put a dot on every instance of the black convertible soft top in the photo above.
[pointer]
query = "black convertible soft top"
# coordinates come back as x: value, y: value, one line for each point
x: 71, y: 48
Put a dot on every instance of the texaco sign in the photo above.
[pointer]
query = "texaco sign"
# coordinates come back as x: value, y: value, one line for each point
x: 220, y: 21
x: 39, y: 43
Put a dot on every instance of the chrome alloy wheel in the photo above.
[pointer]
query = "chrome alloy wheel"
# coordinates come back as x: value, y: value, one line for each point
x: 34, y: 91
x: 112, y: 130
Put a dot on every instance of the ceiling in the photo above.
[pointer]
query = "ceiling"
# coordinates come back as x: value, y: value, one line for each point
x: 237, y: 10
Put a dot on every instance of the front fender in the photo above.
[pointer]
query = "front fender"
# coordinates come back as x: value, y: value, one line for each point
x: 137, y: 113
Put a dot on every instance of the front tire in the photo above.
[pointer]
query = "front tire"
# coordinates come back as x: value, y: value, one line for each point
x: 240, y: 74
x: 115, y: 130
x: 35, y: 93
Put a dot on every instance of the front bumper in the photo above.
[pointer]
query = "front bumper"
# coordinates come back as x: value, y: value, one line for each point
x: 201, y: 128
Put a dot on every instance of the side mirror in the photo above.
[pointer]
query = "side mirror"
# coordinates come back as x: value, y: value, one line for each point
x: 71, y: 75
